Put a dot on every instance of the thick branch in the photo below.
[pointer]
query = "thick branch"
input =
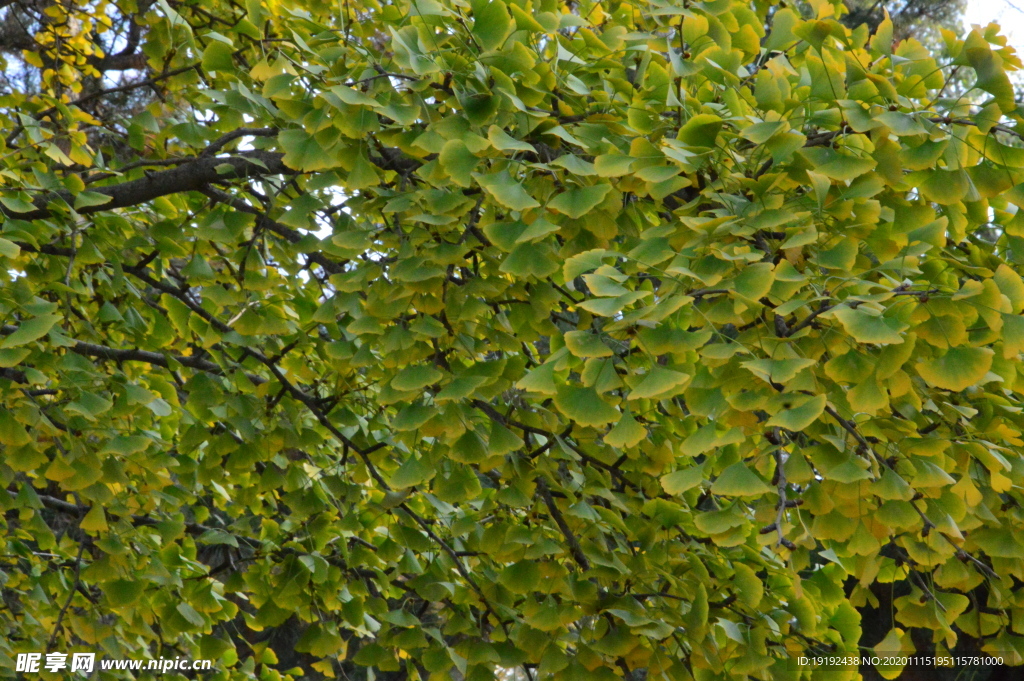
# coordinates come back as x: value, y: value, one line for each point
x: 191, y: 176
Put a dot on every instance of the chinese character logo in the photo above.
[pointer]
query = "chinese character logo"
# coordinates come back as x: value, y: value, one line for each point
x: 28, y: 662
x: 83, y: 662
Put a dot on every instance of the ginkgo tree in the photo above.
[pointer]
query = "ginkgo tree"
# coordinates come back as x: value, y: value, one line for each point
x: 430, y: 339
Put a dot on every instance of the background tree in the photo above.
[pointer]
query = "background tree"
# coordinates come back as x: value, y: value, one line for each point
x: 921, y: 19
x: 431, y: 339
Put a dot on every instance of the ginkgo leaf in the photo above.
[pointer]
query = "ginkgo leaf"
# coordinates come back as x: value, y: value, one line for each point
x: 30, y: 330
x: 486, y: 335
x: 586, y: 344
x: 540, y: 379
x: 957, y: 369
x: 626, y: 433
x: 502, y: 141
x: 123, y: 592
x: 584, y: 262
x: 506, y: 190
x: 796, y: 417
x: 579, y: 201
x: 659, y: 383
x: 95, y: 520
x: 458, y: 161
x: 682, y: 480
x: 869, y: 328
x: 493, y: 24
x: 739, y: 481
x: 416, y: 377
x: 413, y: 472
x: 777, y: 370
x: 584, y: 406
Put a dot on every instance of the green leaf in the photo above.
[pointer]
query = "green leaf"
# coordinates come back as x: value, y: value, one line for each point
x: 416, y: 377
x: 777, y: 370
x: 9, y: 249
x: 506, y: 191
x: 586, y: 344
x: 218, y: 57
x: 530, y: 259
x: 943, y: 186
x: 701, y: 130
x: 584, y: 406
x: 303, y: 152
x: 842, y: 256
x: 123, y: 592
x: 319, y: 640
x: 492, y: 25
x: 754, y: 282
x: 502, y: 141
x: 411, y: 473
x: 869, y: 328
x: 683, y: 479
x: 17, y: 205
x: 584, y: 262
x: 796, y: 417
x: 13, y: 357
x: 988, y: 66
x: 627, y: 433
x: 574, y: 164
x: 458, y: 161
x: 354, y: 97
x: 538, y: 229
x: 521, y: 577
x: 957, y: 369
x: 31, y: 330
x: 659, y: 383
x: 190, y: 614
x: 844, y: 168
x: 540, y: 379
x: 900, y: 123
x: 88, y: 199
x: 613, y: 165
x: 579, y: 201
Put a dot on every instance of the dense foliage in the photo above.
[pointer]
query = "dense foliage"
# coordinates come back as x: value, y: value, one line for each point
x: 653, y: 339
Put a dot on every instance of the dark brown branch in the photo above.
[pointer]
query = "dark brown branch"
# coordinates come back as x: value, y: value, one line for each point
x: 186, y: 177
x: 574, y: 544
x: 194, y: 529
x: 219, y: 143
x: 292, y: 236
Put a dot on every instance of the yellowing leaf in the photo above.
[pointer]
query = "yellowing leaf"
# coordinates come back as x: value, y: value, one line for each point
x: 586, y: 344
x: 777, y: 370
x: 659, y: 383
x: 95, y: 520
x: 416, y: 377
x: 957, y: 369
x: 799, y: 416
x: 626, y: 433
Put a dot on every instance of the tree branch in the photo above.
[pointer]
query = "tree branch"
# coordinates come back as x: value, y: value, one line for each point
x: 191, y: 176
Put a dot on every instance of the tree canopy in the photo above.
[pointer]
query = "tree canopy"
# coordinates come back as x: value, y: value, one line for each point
x: 640, y: 339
